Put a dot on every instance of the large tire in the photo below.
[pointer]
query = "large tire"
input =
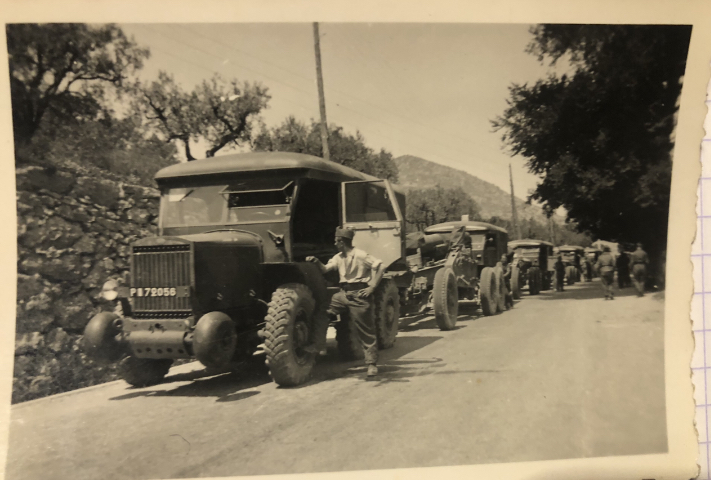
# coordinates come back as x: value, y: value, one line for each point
x: 100, y: 342
x: 445, y: 295
x: 144, y: 372
x: 286, y: 333
x: 569, y: 275
x: 500, y: 289
x: 349, y: 346
x: 215, y: 340
x: 487, y: 291
x: 516, y: 282
x: 386, y: 300
x: 534, y: 281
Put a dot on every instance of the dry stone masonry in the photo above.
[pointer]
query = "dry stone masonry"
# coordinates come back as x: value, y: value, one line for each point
x: 75, y: 228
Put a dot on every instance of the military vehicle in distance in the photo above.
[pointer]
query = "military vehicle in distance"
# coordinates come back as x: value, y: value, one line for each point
x: 591, y: 256
x: 572, y: 256
x: 226, y: 272
x: 532, y: 266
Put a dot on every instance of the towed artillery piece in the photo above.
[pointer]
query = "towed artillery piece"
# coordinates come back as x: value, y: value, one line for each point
x: 532, y: 266
x: 454, y: 261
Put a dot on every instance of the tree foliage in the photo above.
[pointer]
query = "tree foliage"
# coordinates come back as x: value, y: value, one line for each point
x: 601, y: 135
x: 435, y: 205
x: 221, y: 113
x: 345, y: 149
x: 116, y: 145
x: 63, y: 69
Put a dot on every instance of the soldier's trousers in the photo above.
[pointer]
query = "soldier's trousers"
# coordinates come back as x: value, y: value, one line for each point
x: 607, y: 277
x: 360, y: 311
x: 639, y: 276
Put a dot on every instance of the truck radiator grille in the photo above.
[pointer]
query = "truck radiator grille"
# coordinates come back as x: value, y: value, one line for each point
x: 158, y: 269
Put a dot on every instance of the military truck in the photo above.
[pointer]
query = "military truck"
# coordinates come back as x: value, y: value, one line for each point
x: 572, y: 256
x: 532, y: 266
x: 226, y: 274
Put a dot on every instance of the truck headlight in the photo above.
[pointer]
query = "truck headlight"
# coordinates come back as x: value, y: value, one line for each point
x: 110, y: 290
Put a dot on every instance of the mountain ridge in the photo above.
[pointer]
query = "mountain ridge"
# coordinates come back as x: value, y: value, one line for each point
x: 417, y: 172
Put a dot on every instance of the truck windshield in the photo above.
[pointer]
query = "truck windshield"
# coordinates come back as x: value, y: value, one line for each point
x: 265, y: 201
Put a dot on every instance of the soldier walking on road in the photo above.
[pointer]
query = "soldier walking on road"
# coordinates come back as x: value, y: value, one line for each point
x: 559, y: 274
x: 623, y: 268
x: 606, y: 267
x: 359, y: 274
x: 639, y: 261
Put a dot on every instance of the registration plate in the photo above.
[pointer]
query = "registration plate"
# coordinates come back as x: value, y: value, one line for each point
x: 159, y: 291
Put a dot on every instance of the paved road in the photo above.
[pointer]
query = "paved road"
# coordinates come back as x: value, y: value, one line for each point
x: 560, y: 376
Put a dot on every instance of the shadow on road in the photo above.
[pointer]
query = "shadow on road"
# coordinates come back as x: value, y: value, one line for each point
x: 227, y: 386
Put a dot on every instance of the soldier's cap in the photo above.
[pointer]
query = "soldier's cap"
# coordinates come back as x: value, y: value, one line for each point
x: 345, y: 233
x: 605, y: 248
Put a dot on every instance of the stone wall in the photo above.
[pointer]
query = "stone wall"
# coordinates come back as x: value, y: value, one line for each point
x: 75, y: 228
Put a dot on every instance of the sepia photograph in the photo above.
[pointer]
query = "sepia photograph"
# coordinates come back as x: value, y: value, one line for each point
x: 252, y: 246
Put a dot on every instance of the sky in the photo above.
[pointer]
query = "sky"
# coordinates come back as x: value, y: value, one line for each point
x: 422, y: 89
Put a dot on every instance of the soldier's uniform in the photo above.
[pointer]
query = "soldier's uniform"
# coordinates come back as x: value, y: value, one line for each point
x: 623, y: 270
x: 355, y: 270
x: 606, y: 267
x: 639, y: 261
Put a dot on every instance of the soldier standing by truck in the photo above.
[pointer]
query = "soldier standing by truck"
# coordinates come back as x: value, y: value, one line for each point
x: 639, y: 261
x: 359, y: 275
x: 606, y: 267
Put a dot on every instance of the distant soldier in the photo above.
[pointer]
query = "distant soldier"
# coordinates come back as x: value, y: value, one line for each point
x: 623, y: 268
x: 639, y: 261
x: 606, y: 266
x: 559, y: 267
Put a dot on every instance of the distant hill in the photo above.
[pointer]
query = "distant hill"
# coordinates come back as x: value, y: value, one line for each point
x: 415, y: 172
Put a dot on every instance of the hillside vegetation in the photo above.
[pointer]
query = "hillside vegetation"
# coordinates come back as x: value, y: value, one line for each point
x: 415, y: 172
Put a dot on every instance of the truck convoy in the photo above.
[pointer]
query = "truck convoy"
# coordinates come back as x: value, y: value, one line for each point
x: 226, y: 273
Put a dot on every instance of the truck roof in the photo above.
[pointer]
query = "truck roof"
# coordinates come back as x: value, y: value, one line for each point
x: 570, y: 248
x: 286, y: 162
x: 529, y: 242
x: 471, y: 225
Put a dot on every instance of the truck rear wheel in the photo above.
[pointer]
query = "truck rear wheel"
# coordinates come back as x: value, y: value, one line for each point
x: 387, y: 312
x: 349, y: 346
x: 445, y: 298
x: 515, y: 282
x: 287, y: 333
x: 144, y: 372
x: 487, y: 291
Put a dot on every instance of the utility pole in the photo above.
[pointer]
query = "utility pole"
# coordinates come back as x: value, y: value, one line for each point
x: 321, y: 99
x: 514, y: 215
x: 552, y: 230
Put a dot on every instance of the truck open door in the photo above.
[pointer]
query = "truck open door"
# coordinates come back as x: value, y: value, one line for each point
x: 371, y: 209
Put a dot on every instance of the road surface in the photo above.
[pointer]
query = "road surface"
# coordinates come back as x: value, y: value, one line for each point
x: 564, y: 375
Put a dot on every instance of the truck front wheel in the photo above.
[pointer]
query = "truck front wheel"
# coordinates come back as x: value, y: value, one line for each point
x: 286, y: 333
